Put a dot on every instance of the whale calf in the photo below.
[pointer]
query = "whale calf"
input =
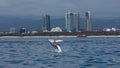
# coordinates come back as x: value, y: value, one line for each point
x: 55, y: 44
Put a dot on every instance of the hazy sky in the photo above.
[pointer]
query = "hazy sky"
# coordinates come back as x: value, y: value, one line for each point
x: 98, y: 8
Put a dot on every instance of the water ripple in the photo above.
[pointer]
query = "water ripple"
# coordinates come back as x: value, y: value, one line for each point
x: 14, y: 61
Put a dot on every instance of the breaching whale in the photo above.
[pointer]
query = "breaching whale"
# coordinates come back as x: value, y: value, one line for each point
x: 55, y: 44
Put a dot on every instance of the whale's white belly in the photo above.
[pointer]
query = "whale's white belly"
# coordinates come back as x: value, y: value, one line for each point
x: 59, y: 48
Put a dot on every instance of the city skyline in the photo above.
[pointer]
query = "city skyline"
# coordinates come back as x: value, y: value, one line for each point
x: 29, y: 23
x: 59, y: 7
x: 36, y: 24
x: 71, y: 23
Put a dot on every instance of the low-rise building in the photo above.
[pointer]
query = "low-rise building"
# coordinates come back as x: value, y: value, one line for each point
x: 56, y: 29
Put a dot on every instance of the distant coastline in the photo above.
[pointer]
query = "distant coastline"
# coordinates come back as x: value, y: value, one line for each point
x: 104, y: 36
x: 100, y: 36
x: 62, y: 35
x: 37, y: 36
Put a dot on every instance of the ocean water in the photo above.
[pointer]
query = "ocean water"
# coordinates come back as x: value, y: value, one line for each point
x: 76, y: 53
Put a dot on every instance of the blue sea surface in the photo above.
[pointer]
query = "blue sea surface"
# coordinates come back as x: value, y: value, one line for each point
x: 76, y: 53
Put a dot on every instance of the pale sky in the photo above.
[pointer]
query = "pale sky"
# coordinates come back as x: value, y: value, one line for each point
x: 98, y: 8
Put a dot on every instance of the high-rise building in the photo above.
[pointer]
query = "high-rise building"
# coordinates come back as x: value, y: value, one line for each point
x: 72, y: 22
x: 76, y: 22
x: 88, y: 22
x: 46, y: 23
x: 68, y: 21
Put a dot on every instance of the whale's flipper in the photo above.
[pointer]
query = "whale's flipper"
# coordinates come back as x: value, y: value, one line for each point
x: 55, y: 44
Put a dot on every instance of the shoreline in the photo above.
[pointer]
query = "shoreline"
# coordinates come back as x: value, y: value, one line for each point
x: 37, y: 36
x: 93, y: 36
x: 103, y: 36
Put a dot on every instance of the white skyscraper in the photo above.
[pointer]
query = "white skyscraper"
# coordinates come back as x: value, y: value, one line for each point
x: 88, y: 22
x: 76, y: 22
x: 72, y: 22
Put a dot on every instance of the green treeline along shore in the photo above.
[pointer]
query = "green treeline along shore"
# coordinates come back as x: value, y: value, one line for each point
x: 87, y: 33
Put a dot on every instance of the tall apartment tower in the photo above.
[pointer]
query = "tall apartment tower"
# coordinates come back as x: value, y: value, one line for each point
x: 69, y: 21
x: 76, y: 22
x: 72, y: 22
x: 46, y: 23
x: 88, y: 22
